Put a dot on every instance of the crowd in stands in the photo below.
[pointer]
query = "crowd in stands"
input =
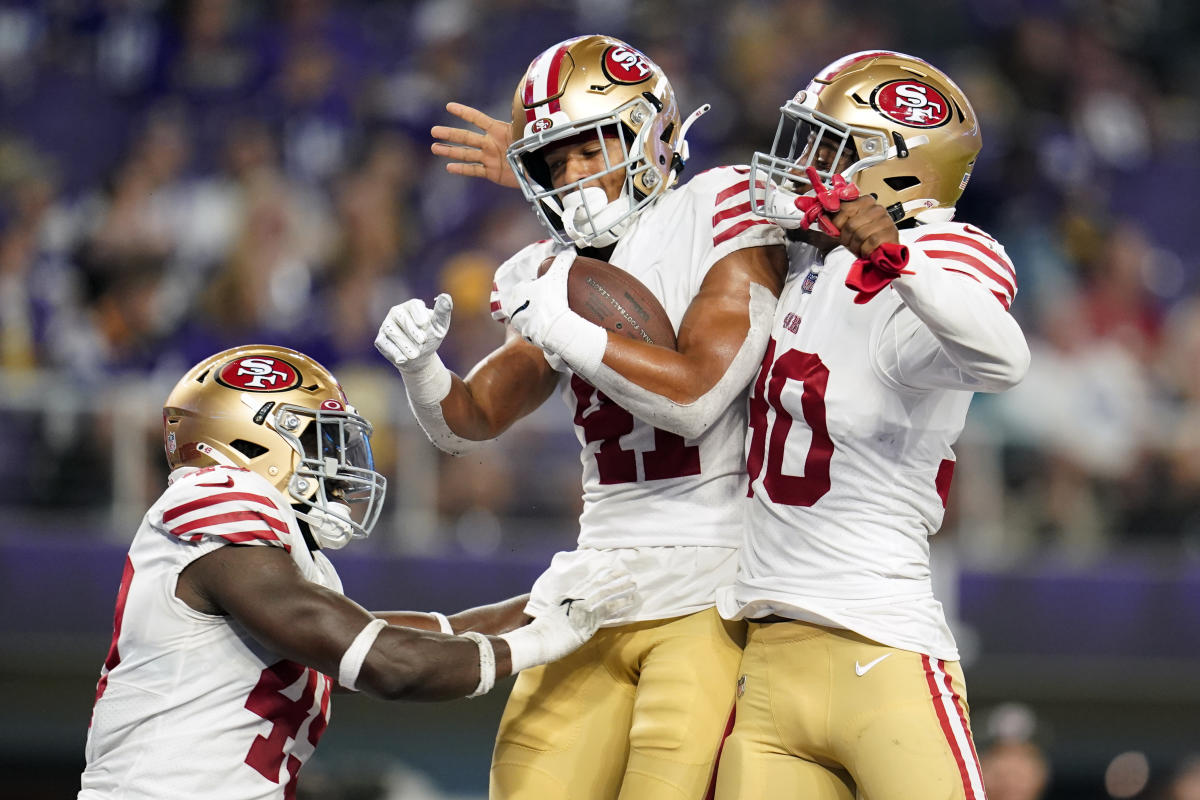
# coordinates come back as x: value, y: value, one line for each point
x: 178, y: 176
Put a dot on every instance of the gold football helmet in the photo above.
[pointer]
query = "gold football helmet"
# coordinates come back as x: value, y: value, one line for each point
x: 278, y: 413
x: 893, y: 124
x: 593, y: 86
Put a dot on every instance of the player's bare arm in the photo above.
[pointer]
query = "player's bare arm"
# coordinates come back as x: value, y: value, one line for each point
x: 710, y: 334
x: 723, y: 334
x: 475, y: 154
x: 456, y: 413
x: 492, y: 619
x: 263, y: 590
x: 509, y: 383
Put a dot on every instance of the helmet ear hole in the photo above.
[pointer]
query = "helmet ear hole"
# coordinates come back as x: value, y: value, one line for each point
x: 901, y: 182
x: 247, y: 448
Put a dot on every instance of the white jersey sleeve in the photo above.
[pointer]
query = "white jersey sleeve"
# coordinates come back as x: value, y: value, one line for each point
x: 219, y: 506
x: 954, y: 330
x: 189, y: 704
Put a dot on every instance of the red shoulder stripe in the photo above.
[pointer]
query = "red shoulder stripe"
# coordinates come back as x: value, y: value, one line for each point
x: 975, y: 243
x: 232, y: 516
x: 971, y: 261
x: 240, y: 537
x: 735, y: 211
x: 732, y: 191
x: 1004, y: 299
x: 734, y: 230
x: 214, y: 499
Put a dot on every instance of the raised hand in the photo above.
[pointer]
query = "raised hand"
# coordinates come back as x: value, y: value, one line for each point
x: 533, y: 307
x: 412, y: 332
x: 475, y: 154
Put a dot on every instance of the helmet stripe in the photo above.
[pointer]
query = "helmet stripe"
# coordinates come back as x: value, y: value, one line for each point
x: 543, y: 74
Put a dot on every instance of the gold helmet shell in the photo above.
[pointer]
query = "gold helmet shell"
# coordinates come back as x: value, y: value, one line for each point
x: 596, y: 85
x: 278, y: 413
x: 907, y: 130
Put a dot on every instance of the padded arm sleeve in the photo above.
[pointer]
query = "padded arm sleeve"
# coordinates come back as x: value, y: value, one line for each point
x: 433, y: 423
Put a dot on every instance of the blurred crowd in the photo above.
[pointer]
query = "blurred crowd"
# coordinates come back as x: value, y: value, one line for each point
x: 178, y: 176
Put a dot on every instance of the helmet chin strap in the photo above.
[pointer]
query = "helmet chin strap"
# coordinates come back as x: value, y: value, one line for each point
x: 331, y: 526
x: 589, y: 219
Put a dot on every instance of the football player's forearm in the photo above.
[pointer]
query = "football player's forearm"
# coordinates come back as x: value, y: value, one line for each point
x: 702, y: 382
x: 406, y: 664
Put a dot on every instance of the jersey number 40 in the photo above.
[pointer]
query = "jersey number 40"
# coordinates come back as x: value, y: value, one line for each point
x: 790, y: 490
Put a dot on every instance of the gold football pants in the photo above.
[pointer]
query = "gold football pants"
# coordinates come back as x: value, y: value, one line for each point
x: 821, y: 711
x: 637, y: 713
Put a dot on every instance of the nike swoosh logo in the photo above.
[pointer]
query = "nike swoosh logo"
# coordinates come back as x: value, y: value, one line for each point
x: 225, y: 484
x: 976, y: 232
x: 862, y: 669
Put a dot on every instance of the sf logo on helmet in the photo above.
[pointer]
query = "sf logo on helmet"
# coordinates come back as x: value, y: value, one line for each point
x: 259, y: 374
x: 912, y: 103
x: 626, y: 65
x: 542, y: 124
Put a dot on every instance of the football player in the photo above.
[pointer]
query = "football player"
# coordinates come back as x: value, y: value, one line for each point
x: 597, y: 145
x: 231, y: 628
x: 892, y: 316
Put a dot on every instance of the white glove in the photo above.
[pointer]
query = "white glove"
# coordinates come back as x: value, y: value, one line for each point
x: 606, y: 594
x: 409, y: 338
x: 538, y: 310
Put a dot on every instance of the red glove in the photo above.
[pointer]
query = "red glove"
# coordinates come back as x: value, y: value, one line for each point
x: 826, y: 202
x: 868, y: 276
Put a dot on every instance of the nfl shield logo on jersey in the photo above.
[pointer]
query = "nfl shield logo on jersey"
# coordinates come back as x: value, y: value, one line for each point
x: 810, y: 280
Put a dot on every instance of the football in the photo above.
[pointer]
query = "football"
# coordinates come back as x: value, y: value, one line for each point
x: 613, y: 299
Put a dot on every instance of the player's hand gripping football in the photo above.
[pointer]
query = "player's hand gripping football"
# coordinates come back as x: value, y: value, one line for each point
x: 475, y: 154
x: 538, y: 310
x: 605, y: 595
x: 412, y: 332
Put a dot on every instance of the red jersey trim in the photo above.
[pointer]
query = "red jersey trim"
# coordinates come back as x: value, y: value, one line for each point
x: 971, y: 261
x: 729, y: 213
x: 973, y: 243
x: 733, y: 231
x: 214, y: 499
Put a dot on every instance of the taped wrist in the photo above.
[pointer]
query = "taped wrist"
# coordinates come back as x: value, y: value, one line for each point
x: 487, y: 663
x: 426, y: 380
x: 527, y: 646
x: 578, y: 342
x: 356, y: 653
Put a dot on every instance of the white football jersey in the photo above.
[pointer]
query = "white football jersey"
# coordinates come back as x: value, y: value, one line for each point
x: 189, y: 704
x: 644, y: 486
x: 852, y: 418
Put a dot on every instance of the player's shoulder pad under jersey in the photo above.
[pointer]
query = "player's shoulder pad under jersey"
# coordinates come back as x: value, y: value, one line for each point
x: 722, y: 195
x: 523, y: 265
x: 233, y: 505
x: 963, y: 248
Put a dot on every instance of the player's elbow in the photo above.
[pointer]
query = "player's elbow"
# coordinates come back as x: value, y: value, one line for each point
x: 1005, y: 370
